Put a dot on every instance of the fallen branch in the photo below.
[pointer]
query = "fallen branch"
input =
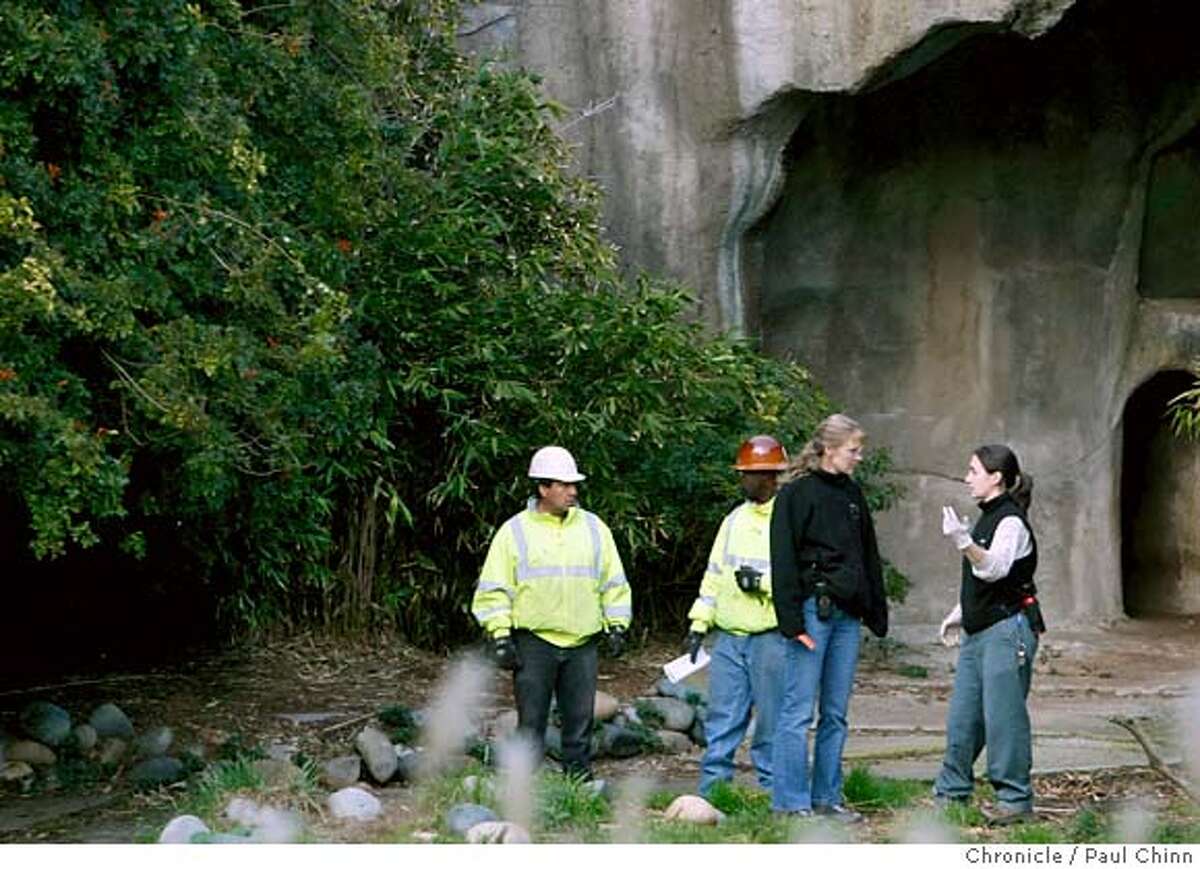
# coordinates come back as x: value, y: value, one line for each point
x: 346, y: 723
x: 105, y: 681
x: 1156, y: 762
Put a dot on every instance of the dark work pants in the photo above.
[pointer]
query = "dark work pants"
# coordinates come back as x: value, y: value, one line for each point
x: 569, y: 675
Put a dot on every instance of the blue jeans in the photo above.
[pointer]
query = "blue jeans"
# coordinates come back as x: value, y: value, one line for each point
x: 995, y: 666
x: 826, y: 673
x: 746, y: 671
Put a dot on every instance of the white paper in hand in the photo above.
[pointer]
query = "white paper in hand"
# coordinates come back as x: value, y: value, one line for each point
x: 682, y: 667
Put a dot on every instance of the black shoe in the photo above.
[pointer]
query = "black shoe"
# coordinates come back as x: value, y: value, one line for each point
x: 841, y: 814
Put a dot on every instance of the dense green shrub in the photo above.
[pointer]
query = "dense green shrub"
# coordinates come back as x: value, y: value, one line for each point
x: 299, y: 288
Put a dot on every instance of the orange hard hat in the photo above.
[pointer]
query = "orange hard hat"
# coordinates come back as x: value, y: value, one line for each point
x: 761, y: 453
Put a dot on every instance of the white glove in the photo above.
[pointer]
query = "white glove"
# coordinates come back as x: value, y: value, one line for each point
x: 956, y: 529
x: 948, y: 633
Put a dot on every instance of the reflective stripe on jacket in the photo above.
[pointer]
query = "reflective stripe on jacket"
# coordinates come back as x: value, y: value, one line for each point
x: 560, y: 578
x: 744, y: 538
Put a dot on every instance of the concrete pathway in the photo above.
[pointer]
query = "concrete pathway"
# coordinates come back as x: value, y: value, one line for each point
x: 1083, y: 677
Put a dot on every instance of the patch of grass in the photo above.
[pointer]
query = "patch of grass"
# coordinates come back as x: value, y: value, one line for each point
x: 649, y: 738
x: 659, y: 800
x: 567, y: 802
x: 237, y: 748
x: 1032, y: 834
x: 747, y: 828
x: 1088, y: 826
x: 866, y: 791
x: 964, y: 815
x: 209, y: 792
x: 1177, y: 833
x: 401, y: 724
x: 913, y: 671
x: 735, y: 799
x: 207, y: 795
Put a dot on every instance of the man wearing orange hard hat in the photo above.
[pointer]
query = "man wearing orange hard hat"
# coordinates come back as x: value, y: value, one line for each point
x: 551, y: 589
x: 735, y: 604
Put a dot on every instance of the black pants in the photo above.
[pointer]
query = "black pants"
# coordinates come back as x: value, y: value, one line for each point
x: 568, y: 674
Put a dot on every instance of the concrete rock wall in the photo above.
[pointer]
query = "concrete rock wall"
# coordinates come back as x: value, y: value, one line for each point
x: 945, y: 208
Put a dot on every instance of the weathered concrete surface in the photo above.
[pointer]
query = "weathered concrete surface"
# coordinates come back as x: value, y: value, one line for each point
x: 972, y: 219
x: 681, y: 110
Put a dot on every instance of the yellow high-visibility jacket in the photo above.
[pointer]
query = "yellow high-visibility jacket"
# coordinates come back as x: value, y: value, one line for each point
x: 743, y: 538
x: 562, y: 579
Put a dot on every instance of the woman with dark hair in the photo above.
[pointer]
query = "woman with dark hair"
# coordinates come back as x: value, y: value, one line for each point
x: 1000, y: 621
x: 827, y: 582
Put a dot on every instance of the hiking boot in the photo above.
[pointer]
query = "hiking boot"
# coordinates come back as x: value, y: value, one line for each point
x: 838, y: 813
x: 1000, y: 816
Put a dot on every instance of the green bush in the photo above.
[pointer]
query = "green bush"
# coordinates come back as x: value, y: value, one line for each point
x: 295, y: 290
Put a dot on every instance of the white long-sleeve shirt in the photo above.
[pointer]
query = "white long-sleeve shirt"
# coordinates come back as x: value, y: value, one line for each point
x: 1010, y: 543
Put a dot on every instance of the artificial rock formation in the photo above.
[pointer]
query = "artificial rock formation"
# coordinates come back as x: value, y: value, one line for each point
x: 972, y: 219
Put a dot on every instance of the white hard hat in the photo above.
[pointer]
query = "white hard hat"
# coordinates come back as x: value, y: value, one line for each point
x: 554, y: 463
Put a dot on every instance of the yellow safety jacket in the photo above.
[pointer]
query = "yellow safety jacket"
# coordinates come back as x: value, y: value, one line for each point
x: 743, y: 538
x: 562, y: 579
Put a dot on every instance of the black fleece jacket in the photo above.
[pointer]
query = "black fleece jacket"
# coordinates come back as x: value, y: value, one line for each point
x: 822, y: 518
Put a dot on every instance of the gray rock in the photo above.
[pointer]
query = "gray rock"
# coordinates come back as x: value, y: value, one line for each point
x: 464, y: 816
x: 156, y: 771
x: 620, y: 742
x: 691, y: 694
x: 605, y: 706
x: 179, y: 830
x: 32, y: 753
x: 378, y: 754
x: 154, y: 742
x: 84, y: 736
x: 498, y: 833
x: 601, y: 788
x: 674, y: 742
x: 112, y: 750
x: 109, y: 720
x: 15, y: 771
x: 282, y: 751
x: 277, y: 773
x: 677, y: 715
x: 341, y: 772
x: 278, y: 827
x: 354, y: 804
x: 46, y: 723
x: 243, y: 811
x: 408, y: 764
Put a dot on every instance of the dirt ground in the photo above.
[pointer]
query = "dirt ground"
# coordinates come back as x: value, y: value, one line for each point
x: 247, y: 694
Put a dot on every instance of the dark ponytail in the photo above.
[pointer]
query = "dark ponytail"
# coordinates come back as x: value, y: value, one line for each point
x: 998, y: 457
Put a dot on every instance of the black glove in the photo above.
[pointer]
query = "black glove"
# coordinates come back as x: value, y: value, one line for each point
x: 614, y: 642
x: 692, y: 644
x: 504, y: 653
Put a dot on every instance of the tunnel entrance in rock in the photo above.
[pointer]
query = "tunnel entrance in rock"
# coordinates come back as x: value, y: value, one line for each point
x: 1160, y: 505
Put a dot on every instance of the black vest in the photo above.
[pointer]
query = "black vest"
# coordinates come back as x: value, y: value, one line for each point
x: 985, y: 603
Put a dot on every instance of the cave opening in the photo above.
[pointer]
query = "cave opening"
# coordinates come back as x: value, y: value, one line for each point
x: 1160, y: 504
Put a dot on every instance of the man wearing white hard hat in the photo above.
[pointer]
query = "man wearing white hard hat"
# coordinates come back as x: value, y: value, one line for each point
x: 551, y: 588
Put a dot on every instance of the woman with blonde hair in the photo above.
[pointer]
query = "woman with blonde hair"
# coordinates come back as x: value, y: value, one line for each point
x: 828, y: 581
